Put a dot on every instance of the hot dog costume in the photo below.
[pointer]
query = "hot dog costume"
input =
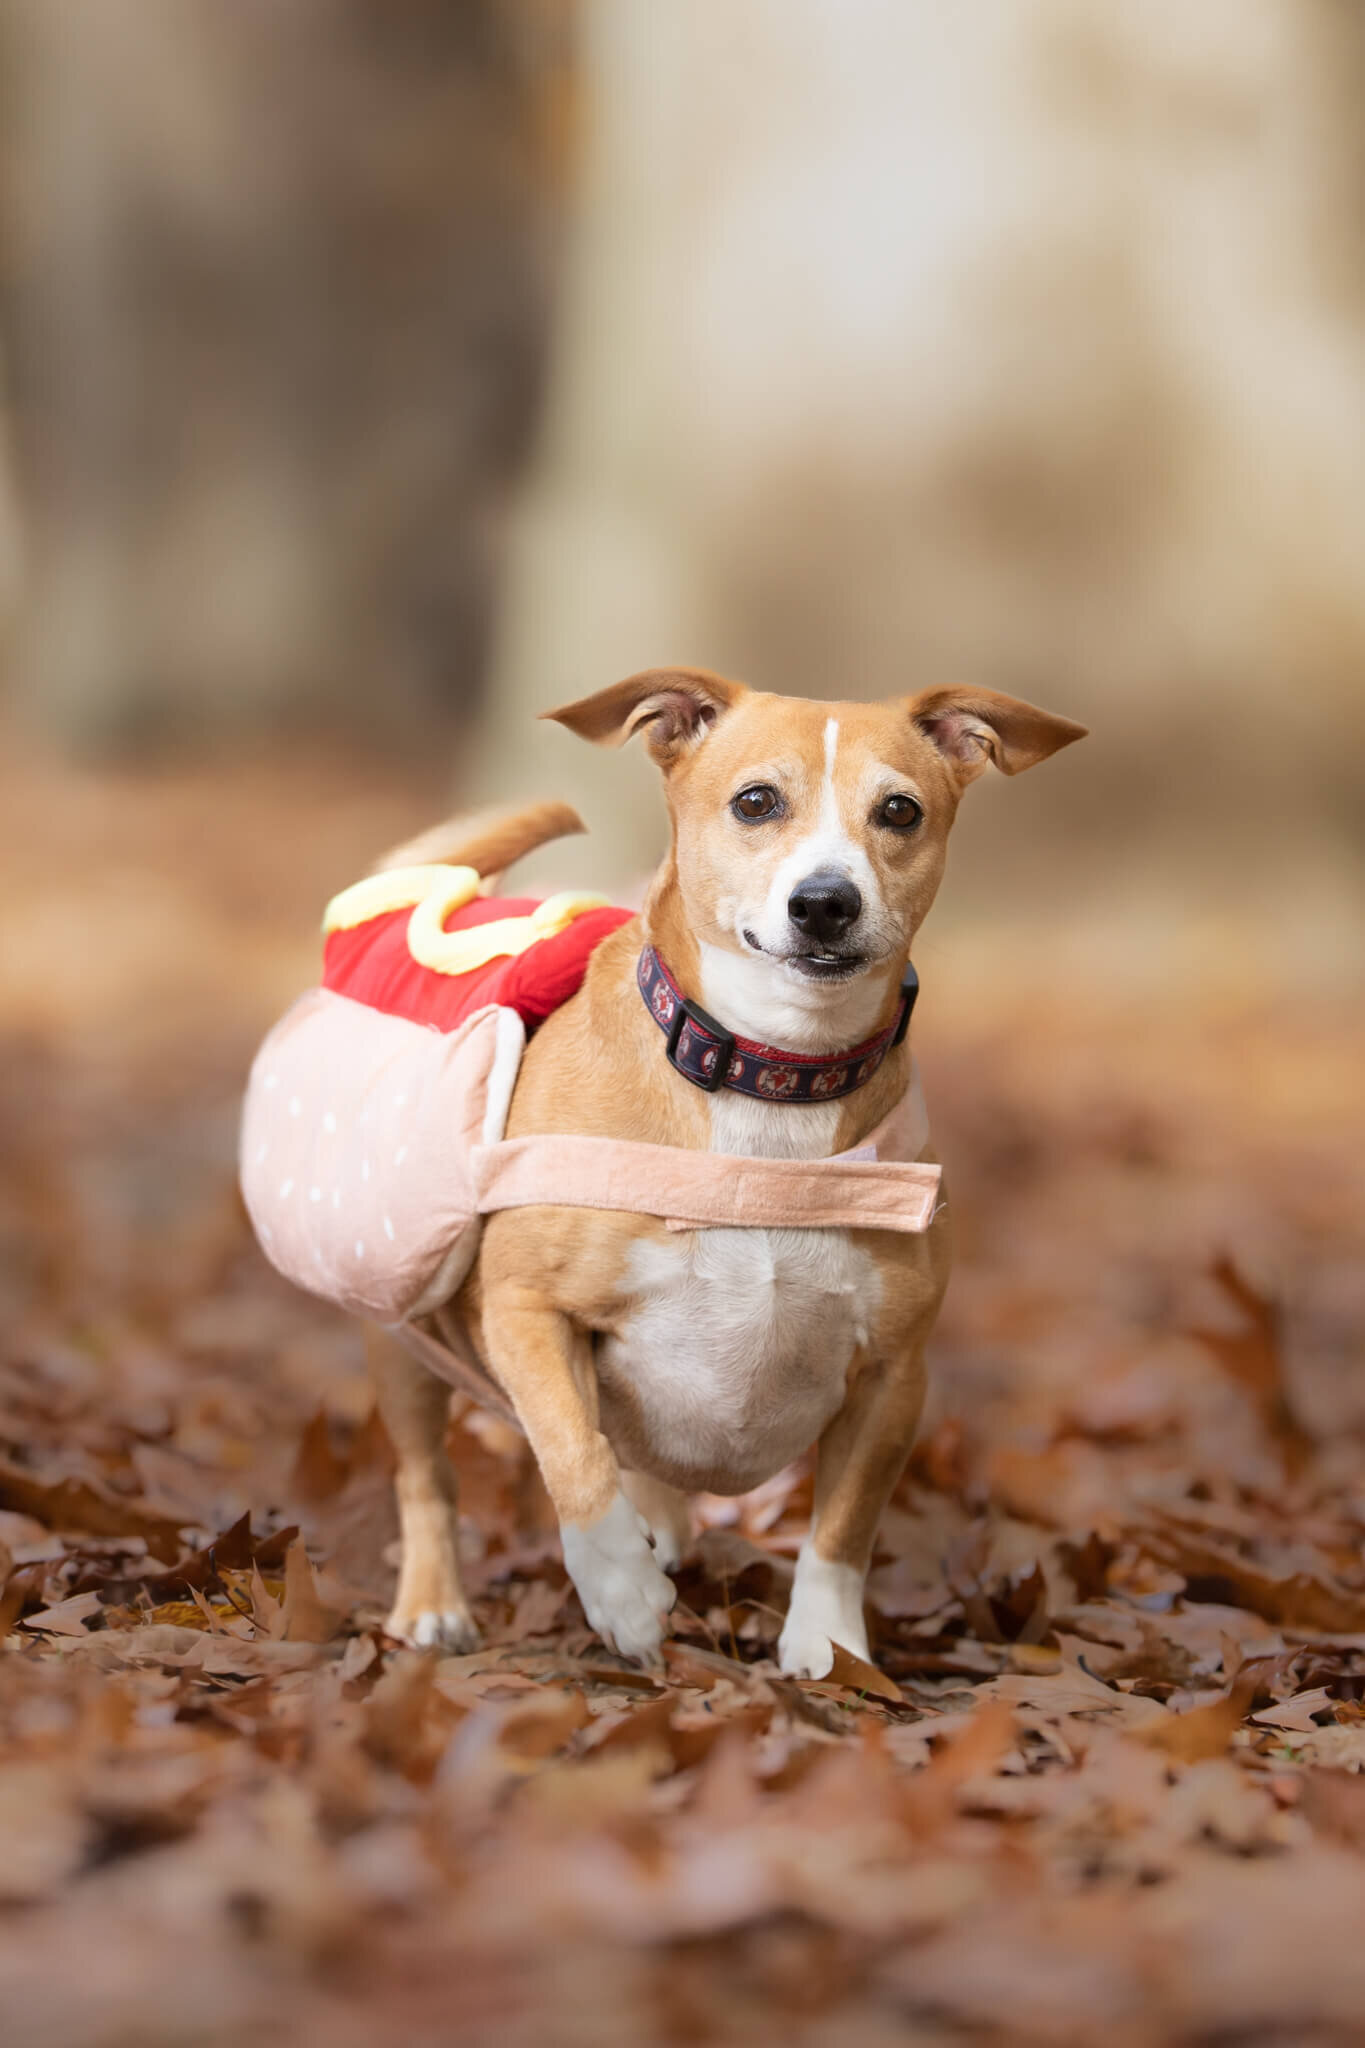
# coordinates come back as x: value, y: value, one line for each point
x: 372, y: 1135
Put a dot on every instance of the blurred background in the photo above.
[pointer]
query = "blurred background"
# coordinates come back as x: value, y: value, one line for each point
x: 378, y: 373
x: 375, y: 374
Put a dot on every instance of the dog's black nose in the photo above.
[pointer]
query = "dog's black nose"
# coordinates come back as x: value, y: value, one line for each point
x: 824, y: 906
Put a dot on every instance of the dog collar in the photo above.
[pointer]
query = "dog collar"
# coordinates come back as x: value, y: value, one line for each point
x: 710, y: 1057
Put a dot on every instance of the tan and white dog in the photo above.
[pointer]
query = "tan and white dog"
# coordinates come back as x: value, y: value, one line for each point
x: 645, y: 1363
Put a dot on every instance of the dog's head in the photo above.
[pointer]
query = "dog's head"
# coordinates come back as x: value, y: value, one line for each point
x: 812, y: 835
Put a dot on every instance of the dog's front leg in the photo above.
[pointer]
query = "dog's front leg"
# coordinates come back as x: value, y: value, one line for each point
x: 544, y: 1362
x: 861, y: 1456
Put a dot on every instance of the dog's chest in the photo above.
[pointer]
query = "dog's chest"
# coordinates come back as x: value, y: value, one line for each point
x: 737, y: 1343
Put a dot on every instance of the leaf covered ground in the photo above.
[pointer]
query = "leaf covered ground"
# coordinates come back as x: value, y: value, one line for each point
x: 1107, y: 1779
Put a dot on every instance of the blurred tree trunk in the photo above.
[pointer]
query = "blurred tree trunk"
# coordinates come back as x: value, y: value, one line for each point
x: 1013, y: 342
x: 274, y: 302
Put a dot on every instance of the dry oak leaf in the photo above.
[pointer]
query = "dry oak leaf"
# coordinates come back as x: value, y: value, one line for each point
x: 186, y: 1649
x: 1288, y: 1598
x: 66, y: 1617
x: 307, y: 1617
x: 535, y: 1728
x: 1073, y: 1691
x: 704, y: 1668
x: 1297, y: 1714
x: 1254, y: 1357
x: 1205, y: 1731
x: 851, y: 1673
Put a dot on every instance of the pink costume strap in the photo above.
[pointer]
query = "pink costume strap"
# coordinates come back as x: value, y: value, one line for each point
x: 877, y: 1186
x: 857, y: 1190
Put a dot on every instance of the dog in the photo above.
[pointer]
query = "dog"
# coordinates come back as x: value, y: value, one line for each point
x: 645, y: 1363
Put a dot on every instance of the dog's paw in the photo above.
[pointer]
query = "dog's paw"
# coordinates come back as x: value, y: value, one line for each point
x: 450, y: 1629
x: 826, y: 1608
x: 625, y: 1595
x: 804, y: 1653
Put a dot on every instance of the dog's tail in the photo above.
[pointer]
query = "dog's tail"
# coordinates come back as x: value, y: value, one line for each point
x: 487, y: 841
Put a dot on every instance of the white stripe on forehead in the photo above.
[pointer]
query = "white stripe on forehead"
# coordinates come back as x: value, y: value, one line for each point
x: 828, y: 846
x: 748, y: 991
x: 829, y: 798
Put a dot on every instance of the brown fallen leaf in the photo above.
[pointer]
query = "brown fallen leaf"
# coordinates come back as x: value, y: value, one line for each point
x: 67, y: 1618
x: 1292, y: 1598
x: 407, y: 1720
x: 1298, y: 1713
x: 79, y: 1505
x: 1253, y: 1356
x: 266, y: 1611
x: 307, y: 1617
x: 544, y: 1723
x: 929, y: 1799
x: 158, y: 1646
x: 236, y: 1550
x: 1034, y: 1658
x: 647, y: 1727
x: 1073, y: 1692
x: 854, y: 1674
x: 1204, y: 1731
x: 537, y: 1610
x: 592, y: 1792
x: 705, y: 1668
x: 693, y: 1732
x: 22, y: 1587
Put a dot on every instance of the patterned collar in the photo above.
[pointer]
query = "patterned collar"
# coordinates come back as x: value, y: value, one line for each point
x: 711, y: 1057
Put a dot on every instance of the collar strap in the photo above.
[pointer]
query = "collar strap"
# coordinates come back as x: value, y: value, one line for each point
x: 711, y: 1057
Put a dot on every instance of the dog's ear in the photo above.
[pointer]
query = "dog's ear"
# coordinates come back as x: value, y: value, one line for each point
x: 973, y: 727
x: 676, y: 708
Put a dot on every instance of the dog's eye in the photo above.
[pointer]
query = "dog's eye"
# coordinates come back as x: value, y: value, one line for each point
x: 758, y: 802
x: 902, y: 812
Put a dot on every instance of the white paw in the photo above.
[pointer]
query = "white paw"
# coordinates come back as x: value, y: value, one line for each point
x: 625, y: 1595
x: 826, y: 1608
x: 804, y: 1653
x: 435, y: 1628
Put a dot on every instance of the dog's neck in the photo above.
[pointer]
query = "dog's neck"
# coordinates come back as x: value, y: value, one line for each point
x: 757, y: 997
x: 768, y: 1010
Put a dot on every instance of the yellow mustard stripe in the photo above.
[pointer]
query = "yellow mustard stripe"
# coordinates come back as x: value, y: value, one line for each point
x: 433, y: 893
x: 398, y: 889
x: 461, y: 952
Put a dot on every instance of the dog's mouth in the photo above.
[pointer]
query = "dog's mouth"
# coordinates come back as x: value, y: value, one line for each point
x: 812, y: 964
x: 827, y: 966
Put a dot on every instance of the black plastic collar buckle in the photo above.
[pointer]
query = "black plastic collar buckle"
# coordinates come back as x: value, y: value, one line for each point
x: 725, y: 1042
x: 909, y: 990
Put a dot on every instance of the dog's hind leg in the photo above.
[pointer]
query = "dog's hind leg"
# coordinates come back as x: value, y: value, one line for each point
x: 430, y: 1609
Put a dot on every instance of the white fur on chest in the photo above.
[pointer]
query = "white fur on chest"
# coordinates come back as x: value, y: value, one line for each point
x: 736, y: 1351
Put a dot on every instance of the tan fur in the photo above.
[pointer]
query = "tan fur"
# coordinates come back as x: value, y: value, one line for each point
x: 487, y: 841
x: 430, y: 1605
x: 551, y: 1284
